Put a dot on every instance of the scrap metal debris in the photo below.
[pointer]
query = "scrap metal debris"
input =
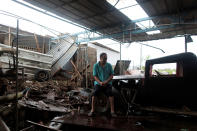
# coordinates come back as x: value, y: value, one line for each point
x: 54, y: 95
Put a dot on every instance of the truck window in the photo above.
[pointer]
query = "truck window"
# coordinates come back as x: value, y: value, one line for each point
x: 165, y: 69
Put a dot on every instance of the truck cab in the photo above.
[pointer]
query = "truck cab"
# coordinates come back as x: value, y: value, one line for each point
x: 170, y: 90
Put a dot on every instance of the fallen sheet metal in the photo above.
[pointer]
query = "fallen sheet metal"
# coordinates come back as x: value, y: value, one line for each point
x: 62, y: 52
x: 61, y: 46
x: 64, y: 59
x: 40, y: 105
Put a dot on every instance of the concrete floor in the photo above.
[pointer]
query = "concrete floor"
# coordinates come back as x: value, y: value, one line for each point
x: 154, y: 122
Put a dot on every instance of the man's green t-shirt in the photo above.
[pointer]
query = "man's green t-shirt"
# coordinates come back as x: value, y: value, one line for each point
x: 102, y: 73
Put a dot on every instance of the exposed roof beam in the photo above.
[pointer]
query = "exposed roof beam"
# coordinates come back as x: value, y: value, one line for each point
x: 173, y: 17
x: 125, y: 32
x: 164, y: 35
x: 118, y: 24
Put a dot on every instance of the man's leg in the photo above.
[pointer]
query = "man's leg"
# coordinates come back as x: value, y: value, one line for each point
x: 97, y: 89
x: 92, y: 112
x: 93, y: 104
x: 111, y: 100
x: 108, y: 92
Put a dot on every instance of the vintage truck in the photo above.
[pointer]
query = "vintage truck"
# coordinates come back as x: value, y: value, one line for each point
x: 174, y: 91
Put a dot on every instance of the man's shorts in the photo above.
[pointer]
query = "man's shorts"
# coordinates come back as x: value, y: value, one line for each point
x: 107, y: 90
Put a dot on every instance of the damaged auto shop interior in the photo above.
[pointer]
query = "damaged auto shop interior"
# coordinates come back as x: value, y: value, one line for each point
x: 102, y: 65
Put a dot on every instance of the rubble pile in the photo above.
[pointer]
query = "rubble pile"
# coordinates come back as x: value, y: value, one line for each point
x: 47, y: 89
x: 49, y: 95
x: 54, y: 97
x: 56, y: 92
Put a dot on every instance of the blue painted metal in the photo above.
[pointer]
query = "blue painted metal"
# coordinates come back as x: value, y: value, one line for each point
x: 99, y: 28
x: 61, y: 37
x: 126, y: 23
x: 126, y: 33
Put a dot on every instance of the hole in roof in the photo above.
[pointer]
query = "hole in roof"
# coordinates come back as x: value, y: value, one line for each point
x: 134, y: 12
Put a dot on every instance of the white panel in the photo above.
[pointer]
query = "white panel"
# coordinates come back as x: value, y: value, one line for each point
x: 112, y: 56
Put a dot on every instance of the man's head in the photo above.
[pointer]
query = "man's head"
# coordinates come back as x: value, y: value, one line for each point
x: 103, y: 58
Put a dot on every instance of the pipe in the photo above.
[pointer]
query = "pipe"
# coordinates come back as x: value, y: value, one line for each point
x: 17, y: 30
x: 3, y: 126
x: 11, y: 97
x: 42, y: 126
x: 151, y: 46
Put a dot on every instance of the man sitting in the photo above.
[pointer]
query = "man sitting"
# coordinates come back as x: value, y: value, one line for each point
x: 103, y: 74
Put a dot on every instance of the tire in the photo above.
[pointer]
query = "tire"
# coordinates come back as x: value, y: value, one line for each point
x: 41, y: 75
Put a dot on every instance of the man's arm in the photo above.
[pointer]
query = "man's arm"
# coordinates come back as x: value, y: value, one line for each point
x: 97, y: 79
x: 108, y: 80
x: 110, y: 77
x: 95, y: 74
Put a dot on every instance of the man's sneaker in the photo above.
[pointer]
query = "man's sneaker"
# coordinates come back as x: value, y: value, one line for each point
x: 91, y: 114
x: 113, y: 114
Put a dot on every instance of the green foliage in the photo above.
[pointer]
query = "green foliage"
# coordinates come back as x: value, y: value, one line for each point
x: 146, y: 58
x: 167, y: 70
x: 143, y: 68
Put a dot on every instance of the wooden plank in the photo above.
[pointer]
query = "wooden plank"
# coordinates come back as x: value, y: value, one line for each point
x: 37, y: 44
x: 43, y: 45
x: 76, y: 69
x: 75, y: 76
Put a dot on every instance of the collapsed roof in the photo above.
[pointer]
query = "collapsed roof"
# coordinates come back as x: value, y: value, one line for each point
x: 171, y: 17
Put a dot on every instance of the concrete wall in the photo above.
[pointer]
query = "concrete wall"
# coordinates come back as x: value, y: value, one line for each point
x: 112, y: 55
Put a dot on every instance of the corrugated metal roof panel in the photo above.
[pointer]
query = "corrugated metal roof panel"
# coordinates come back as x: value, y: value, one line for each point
x: 61, y: 47
x: 64, y: 59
